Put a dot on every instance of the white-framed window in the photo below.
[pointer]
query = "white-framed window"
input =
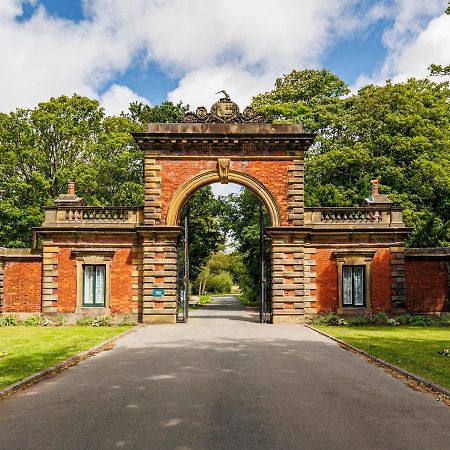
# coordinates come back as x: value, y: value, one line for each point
x: 353, y: 290
x: 354, y: 279
x: 94, y: 285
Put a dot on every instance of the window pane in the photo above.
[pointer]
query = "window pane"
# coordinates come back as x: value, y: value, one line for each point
x: 347, y: 285
x: 100, y: 286
x: 358, y: 285
x: 89, y: 273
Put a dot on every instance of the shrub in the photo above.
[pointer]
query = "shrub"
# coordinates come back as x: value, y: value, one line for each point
x: 327, y: 319
x: 85, y: 320
x: 104, y: 321
x: 359, y: 321
x: 424, y: 321
x: 32, y: 321
x: 8, y: 321
x: 380, y: 318
x: 126, y: 322
x: 444, y: 320
x: 221, y: 283
x: 404, y: 319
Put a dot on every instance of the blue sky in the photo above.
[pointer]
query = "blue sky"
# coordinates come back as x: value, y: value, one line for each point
x: 151, y: 50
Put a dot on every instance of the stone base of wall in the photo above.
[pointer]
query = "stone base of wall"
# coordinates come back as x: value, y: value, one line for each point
x: 157, y: 319
x: 288, y: 319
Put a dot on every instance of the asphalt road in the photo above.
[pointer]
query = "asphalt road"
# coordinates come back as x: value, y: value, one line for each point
x: 223, y: 381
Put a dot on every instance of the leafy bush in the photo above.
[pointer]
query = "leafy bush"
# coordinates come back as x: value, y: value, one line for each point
x: 126, y: 322
x: 32, y: 321
x: 424, y: 321
x: 359, y: 321
x: 8, y: 321
x: 327, y: 319
x: 104, y: 321
x: 444, y: 320
x: 220, y: 283
x: 380, y: 318
x: 404, y: 319
x: 85, y: 320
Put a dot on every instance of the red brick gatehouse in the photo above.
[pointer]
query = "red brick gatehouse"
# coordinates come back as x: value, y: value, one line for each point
x: 111, y: 261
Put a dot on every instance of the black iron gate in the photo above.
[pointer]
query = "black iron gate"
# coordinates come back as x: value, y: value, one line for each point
x: 183, y: 273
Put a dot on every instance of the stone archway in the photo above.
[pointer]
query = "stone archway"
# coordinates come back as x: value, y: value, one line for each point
x: 224, y: 146
x: 204, y: 178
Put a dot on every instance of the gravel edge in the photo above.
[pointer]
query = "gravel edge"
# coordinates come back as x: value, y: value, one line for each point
x: 428, y: 384
x: 32, y: 379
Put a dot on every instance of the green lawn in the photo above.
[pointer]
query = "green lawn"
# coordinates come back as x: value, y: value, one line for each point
x: 27, y: 350
x: 415, y: 349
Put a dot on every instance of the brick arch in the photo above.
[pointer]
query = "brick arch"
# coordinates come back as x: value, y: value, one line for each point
x: 204, y: 178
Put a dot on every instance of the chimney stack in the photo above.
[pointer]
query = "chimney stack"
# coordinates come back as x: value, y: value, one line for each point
x: 71, y: 188
x: 374, y: 186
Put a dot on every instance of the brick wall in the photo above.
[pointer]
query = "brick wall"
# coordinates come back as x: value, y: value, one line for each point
x: 121, y: 282
x: 326, y: 281
x: 381, y: 280
x: 67, y: 281
x: 22, y: 286
x: 273, y: 174
x: 427, y: 285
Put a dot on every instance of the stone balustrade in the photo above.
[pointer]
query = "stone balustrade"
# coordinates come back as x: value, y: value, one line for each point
x: 363, y: 216
x: 73, y: 215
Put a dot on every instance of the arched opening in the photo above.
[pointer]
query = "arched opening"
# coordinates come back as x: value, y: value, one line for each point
x: 209, y: 177
x: 223, y: 249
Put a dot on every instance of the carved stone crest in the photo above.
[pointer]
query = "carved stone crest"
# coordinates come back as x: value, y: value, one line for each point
x: 225, y: 111
x: 223, y: 169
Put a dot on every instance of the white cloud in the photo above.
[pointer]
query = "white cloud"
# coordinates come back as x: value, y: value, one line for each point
x: 207, y: 45
x: 117, y: 98
x: 418, y: 37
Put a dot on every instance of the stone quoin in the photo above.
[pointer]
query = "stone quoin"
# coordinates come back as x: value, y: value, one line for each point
x: 116, y: 260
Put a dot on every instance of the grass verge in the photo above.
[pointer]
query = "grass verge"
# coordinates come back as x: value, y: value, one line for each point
x: 27, y: 350
x: 415, y: 349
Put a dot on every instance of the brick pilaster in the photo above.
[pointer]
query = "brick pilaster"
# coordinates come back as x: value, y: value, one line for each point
x: 295, y: 208
x: 137, y: 280
x: 309, y: 270
x: 152, y: 191
x: 49, y: 278
x: 160, y: 271
x: 2, y: 271
x: 398, y: 289
x: 288, y: 286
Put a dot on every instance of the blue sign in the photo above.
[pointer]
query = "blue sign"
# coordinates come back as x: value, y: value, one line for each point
x: 159, y: 292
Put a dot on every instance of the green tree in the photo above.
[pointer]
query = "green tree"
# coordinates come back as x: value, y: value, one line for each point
x: 206, y: 233
x: 167, y: 112
x: 242, y: 222
x: 66, y: 138
x: 399, y: 133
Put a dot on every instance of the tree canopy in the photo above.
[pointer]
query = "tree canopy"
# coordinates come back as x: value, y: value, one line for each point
x: 399, y: 133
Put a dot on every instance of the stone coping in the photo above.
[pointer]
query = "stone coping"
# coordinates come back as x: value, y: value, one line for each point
x: 19, y: 253
x: 430, y: 253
